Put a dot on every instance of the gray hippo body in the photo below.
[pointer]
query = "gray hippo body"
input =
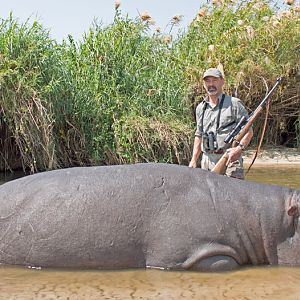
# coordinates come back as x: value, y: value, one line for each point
x: 145, y: 215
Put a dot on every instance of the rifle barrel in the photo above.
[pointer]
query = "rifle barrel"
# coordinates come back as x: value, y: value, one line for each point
x: 263, y: 102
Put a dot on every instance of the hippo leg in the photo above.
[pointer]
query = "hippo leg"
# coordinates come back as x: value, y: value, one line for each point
x: 215, y: 264
x: 213, y: 257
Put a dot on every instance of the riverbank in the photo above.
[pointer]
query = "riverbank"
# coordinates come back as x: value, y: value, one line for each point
x: 274, y: 156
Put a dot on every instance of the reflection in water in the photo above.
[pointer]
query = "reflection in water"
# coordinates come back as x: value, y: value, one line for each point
x: 253, y: 283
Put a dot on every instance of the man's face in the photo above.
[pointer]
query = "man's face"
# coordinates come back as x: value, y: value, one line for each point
x: 213, y: 85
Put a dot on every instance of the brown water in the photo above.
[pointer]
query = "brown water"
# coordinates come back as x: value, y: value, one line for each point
x: 262, y: 283
x: 250, y: 283
x: 288, y: 175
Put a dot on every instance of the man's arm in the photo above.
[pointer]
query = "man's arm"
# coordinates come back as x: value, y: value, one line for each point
x: 196, y: 152
x: 235, y: 152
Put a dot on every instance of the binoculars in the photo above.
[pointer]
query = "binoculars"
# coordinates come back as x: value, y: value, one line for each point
x: 209, y: 141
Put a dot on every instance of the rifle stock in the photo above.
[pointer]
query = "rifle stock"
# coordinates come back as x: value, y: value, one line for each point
x: 221, y: 166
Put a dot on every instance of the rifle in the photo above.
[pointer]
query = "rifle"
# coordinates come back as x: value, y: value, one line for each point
x: 243, y: 126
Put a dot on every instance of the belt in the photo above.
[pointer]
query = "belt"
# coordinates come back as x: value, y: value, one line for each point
x: 221, y: 151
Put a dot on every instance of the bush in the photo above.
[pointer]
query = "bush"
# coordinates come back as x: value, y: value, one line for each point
x: 123, y: 95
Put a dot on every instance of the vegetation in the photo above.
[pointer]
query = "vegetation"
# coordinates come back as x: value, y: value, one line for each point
x: 124, y: 95
x: 254, y: 44
x: 298, y: 132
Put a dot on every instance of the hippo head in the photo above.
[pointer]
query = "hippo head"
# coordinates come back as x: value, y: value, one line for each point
x: 289, y: 250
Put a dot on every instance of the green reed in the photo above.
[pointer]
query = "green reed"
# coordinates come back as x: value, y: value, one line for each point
x: 125, y: 95
x: 297, y: 125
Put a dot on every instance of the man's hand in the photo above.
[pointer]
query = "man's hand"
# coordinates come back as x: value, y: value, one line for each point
x: 196, y: 152
x: 235, y: 152
x: 233, y: 155
x: 193, y: 164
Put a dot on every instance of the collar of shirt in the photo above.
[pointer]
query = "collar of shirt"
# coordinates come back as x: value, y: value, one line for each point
x: 219, y: 100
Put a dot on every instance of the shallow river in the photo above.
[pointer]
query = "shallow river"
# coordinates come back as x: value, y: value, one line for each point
x: 250, y: 283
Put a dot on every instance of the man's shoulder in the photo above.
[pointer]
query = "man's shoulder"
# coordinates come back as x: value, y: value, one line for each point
x: 234, y: 101
x: 200, y: 105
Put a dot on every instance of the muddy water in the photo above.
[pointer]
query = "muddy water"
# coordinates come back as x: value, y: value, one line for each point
x: 288, y: 175
x: 249, y: 283
x: 263, y: 283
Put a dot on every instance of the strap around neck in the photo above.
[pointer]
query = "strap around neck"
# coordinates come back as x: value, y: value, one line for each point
x: 219, y: 113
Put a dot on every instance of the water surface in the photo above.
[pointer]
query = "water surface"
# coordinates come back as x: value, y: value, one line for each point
x: 285, y: 175
x: 255, y: 283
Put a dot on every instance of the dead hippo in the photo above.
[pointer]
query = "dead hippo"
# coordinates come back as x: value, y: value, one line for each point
x: 145, y: 215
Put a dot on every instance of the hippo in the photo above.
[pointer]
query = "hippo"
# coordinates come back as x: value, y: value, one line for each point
x: 148, y: 215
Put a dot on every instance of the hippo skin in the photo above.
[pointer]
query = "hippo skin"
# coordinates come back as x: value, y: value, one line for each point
x: 146, y: 215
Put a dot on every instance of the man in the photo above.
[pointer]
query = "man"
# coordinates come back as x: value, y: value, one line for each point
x: 216, y: 116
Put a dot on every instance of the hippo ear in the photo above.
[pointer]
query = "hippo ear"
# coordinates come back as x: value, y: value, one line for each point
x: 293, y: 207
x: 293, y: 211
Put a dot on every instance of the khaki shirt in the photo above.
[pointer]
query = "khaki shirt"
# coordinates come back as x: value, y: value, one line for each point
x: 232, y: 111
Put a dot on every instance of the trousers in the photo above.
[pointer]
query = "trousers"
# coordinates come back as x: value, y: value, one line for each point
x: 236, y: 169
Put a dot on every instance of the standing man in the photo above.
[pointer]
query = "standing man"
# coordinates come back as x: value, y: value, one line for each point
x: 216, y: 116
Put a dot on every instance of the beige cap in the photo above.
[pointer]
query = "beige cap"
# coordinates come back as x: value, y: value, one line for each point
x: 212, y: 72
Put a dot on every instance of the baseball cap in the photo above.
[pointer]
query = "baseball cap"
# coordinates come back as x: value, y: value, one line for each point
x: 212, y: 72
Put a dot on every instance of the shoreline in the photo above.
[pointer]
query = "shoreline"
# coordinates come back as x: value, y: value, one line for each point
x: 283, y: 156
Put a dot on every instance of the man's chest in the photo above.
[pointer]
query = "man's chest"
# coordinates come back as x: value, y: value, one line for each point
x: 213, y: 118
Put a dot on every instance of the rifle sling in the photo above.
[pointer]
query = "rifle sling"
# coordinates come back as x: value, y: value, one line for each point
x: 219, y: 113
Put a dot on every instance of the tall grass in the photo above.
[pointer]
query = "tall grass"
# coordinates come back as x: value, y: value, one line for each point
x: 124, y: 95
x: 121, y: 75
x: 26, y: 60
x: 297, y: 125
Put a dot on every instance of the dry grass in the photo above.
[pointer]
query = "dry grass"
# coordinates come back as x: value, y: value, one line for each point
x: 122, y: 95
